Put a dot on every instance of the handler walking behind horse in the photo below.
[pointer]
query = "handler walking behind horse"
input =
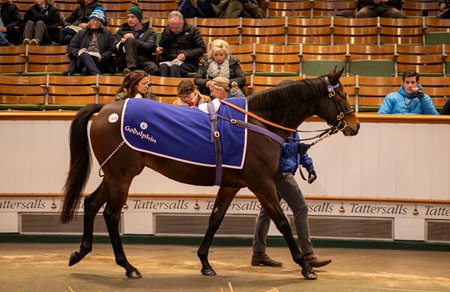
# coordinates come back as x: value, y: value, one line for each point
x: 293, y: 153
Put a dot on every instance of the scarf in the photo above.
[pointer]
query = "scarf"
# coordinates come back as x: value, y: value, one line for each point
x: 222, y: 70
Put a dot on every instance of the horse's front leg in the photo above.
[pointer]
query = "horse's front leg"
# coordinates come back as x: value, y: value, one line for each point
x: 92, y: 204
x: 221, y: 204
x: 266, y: 193
x: 119, y: 194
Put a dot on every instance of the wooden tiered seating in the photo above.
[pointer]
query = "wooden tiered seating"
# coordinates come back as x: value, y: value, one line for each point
x: 438, y: 88
x: 214, y: 28
x: 309, y: 30
x: 318, y: 60
x: 355, y: 31
x: 116, y: 9
x: 371, y: 60
x: 401, y: 31
x: 427, y: 60
x: 289, y: 8
x: 12, y: 61
x: 264, y: 31
x: 372, y: 90
x: 47, y: 59
x: 260, y: 82
x: 114, y: 23
x: 22, y: 90
x: 276, y: 59
x: 151, y: 8
x: 158, y: 24
x: 71, y: 90
x: 107, y: 87
x: 245, y: 54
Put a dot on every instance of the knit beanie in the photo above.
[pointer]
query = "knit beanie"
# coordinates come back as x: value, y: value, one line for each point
x: 136, y: 11
x: 98, y: 13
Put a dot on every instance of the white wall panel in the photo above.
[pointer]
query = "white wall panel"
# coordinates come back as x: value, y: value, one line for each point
x: 385, y: 160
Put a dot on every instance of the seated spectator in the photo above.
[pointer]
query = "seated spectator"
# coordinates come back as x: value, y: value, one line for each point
x: 219, y: 62
x: 379, y: 8
x: 220, y: 88
x: 135, y: 85
x: 188, y: 95
x: 40, y: 24
x: 180, y: 47
x: 195, y: 8
x: 77, y: 20
x: 135, y: 43
x: 238, y: 8
x: 9, y: 20
x: 410, y: 99
x: 446, y: 109
x: 91, y: 49
x: 444, y: 10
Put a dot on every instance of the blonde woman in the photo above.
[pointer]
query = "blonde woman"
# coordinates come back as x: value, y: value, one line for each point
x: 219, y: 63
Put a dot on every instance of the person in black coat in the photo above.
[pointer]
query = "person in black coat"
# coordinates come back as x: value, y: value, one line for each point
x: 180, y: 47
x: 91, y: 49
x: 446, y: 109
x: 40, y: 24
x: 77, y: 20
x: 379, y: 8
x: 135, y: 43
x: 10, y: 20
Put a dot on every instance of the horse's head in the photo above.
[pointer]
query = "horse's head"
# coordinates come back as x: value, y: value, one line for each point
x: 335, y: 109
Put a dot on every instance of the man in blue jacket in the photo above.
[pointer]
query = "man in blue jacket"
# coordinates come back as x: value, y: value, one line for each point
x: 293, y: 154
x: 410, y: 99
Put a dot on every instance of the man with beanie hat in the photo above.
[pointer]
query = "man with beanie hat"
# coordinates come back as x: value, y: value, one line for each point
x: 135, y: 42
x: 91, y: 49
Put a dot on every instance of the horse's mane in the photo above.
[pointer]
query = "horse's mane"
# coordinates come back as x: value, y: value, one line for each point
x: 290, y: 94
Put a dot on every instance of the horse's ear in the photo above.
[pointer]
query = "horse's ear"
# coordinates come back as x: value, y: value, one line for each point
x: 334, y: 76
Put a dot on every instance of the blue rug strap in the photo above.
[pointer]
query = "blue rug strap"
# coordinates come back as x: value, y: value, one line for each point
x: 216, y: 136
x: 255, y: 128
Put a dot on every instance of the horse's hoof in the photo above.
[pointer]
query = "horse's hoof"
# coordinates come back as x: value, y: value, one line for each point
x: 208, y: 272
x: 74, y: 258
x: 309, y: 274
x: 133, y: 274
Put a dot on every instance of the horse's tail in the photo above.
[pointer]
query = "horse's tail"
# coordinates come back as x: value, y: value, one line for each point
x: 80, y: 161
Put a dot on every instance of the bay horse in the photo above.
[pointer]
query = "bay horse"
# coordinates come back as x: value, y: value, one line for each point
x: 285, y: 107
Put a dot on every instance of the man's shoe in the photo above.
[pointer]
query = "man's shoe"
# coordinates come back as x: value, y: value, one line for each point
x: 262, y: 259
x: 315, y: 262
x: 34, y: 42
x: 26, y: 42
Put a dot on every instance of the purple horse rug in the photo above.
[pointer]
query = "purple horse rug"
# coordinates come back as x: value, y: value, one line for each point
x: 184, y: 133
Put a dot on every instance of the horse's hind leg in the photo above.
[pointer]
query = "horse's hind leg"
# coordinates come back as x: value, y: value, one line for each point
x: 92, y: 204
x: 223, y: 200
x: 111, y: 214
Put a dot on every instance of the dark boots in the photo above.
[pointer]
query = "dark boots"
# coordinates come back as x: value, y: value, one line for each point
x: 262, y: 259
x: 315, y: 262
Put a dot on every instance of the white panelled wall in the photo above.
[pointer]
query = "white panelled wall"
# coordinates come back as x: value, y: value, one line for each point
x: 386, y: 163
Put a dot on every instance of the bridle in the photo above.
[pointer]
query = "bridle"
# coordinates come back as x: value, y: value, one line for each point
x: 338, y: 125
